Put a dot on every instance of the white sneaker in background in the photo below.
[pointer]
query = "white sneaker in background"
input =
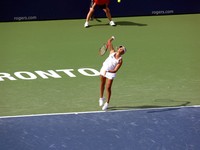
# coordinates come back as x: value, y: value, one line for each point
x: 112, y: 23
x: 86, y: 24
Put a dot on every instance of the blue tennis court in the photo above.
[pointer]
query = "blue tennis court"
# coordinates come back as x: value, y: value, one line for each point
x: 172, y: 128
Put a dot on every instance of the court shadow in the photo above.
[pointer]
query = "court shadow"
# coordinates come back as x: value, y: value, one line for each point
x: 182, y: 103
x: 133, y: 107
x: 119, y: 23
x: 129, y: 23
x: 98, y: 25
x: 163, y: 110
x: 98, y: 20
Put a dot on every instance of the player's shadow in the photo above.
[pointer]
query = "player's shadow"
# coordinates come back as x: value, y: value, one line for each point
x: 184, y: 103
x: 119, y: 23
x: 129, y: 23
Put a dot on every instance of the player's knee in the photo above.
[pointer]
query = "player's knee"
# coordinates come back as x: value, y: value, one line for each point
x: 92, y: 9
x: 107, y: 10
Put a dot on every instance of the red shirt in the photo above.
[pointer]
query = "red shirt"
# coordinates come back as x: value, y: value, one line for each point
x: 101, y: 2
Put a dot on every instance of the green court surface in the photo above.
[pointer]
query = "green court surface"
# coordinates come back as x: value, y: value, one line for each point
x: 161, y: 67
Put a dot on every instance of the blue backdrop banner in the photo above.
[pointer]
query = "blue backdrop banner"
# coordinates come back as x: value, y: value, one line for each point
x: 23, y: 10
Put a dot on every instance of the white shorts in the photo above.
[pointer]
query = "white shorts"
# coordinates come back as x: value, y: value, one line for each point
x: 107, y: 74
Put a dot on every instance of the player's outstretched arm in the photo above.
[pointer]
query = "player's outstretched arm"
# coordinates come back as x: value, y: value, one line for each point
x: 110, y: 45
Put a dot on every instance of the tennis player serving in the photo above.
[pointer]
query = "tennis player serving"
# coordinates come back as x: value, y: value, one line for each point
x: 108, y: 71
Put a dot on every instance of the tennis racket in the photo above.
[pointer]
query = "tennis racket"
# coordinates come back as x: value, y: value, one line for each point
x: 103, y: 49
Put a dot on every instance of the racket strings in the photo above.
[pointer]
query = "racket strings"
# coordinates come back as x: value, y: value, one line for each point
x: 103, y: 49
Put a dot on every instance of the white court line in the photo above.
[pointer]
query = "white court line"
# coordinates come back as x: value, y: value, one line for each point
x: 92, y: 112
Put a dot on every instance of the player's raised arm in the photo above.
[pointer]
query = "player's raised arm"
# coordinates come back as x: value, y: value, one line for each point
x: 110, y: 45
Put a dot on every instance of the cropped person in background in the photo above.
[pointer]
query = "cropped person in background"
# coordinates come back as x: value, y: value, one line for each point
x: 102, y: 4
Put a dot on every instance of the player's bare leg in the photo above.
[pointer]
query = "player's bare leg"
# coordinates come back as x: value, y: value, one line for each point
x: 108, y: 15
x: 108, y: 90
x: 102, y: 87
x: 89, y: 15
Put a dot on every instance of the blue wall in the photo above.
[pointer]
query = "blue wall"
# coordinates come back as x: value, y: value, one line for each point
x: 26, y: 10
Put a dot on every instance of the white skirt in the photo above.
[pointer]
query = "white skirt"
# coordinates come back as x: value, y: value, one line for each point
x: 108, y: 75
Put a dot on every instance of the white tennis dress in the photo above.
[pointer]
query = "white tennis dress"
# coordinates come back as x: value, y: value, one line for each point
x: 109, y: 64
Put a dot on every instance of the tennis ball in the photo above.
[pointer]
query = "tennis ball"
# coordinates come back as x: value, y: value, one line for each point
x: 118, y: 1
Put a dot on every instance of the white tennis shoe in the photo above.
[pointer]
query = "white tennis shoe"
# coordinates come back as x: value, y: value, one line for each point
x: 112, y: 23
x: 101, y: 101
x: 105, y: 106
x: 86, y: 24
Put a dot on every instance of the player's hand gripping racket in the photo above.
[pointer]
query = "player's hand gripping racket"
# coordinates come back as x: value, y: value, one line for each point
x: 104, y: 47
